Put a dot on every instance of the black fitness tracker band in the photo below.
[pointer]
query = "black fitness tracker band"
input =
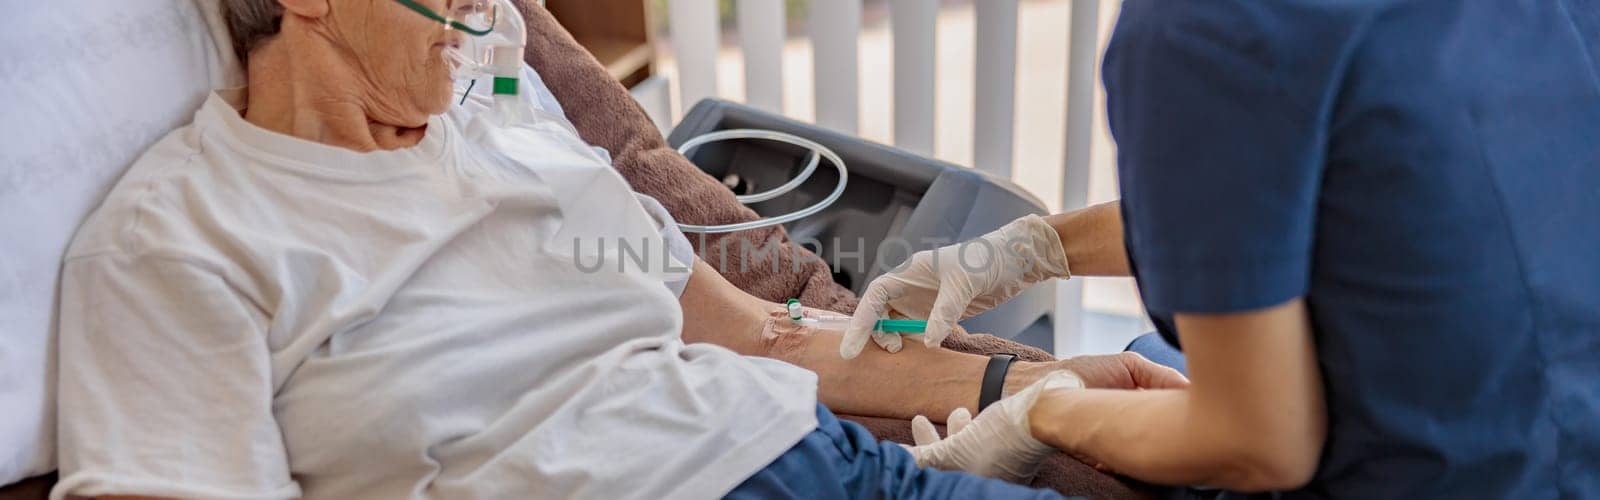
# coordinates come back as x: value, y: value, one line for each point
x: 994, y: 379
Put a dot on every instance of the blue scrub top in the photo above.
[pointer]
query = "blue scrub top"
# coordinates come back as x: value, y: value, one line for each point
x: 1427, y: 175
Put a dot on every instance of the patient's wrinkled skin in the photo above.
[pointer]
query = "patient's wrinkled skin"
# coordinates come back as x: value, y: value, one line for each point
x: 778, y: 324
x: 361, y: 75
x: 781, y: 336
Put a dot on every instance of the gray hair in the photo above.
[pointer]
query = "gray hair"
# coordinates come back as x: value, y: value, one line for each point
x: 251, y: 23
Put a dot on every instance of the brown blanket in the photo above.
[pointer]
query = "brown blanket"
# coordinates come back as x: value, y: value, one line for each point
x: 612, y: 120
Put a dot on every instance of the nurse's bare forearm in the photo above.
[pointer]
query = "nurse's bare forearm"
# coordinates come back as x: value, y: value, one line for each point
x: 1092, y: 238
x: 1253, y: 419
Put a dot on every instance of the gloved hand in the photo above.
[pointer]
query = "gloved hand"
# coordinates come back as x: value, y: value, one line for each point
x: 956, y: 282
x: 999, y: 443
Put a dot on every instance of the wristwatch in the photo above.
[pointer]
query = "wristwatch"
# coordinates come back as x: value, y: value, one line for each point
x: 994, y: 379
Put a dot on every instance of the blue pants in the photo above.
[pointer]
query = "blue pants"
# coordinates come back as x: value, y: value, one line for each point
x: 1155, y: 348
x: 843, y: 460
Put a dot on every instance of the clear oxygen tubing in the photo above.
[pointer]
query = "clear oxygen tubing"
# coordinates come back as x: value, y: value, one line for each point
x: 817, y: 150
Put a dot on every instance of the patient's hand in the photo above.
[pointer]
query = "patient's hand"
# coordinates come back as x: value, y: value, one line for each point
x: 1126, y: 370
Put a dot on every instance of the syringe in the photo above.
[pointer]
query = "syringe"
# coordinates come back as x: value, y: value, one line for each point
x: 829, y: 321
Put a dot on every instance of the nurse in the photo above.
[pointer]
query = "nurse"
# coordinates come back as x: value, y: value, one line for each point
x: 1373, y: 227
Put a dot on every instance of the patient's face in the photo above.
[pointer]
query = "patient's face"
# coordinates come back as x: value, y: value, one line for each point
x: 398, y: 56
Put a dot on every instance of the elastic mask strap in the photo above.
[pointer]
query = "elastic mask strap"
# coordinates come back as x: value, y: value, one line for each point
x: 468, y: 92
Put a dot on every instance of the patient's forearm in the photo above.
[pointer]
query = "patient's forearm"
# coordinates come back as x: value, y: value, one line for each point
x: 716, y: 312
x: 917, y: 380
x: 1092, y: 239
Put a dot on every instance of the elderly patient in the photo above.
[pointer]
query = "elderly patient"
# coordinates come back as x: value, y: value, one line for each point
x: 338, y: 289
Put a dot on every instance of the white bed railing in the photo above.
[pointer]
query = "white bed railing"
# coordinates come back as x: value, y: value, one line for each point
x: 835, y: 31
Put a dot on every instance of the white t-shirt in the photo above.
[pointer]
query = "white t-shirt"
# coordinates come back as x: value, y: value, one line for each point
x: 250, y: 315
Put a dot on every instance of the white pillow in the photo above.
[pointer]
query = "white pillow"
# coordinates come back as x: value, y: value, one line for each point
x: 85, y: 87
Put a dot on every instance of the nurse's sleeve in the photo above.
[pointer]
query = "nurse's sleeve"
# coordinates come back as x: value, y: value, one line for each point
x: 1219, y: 155
x: 165, y: 384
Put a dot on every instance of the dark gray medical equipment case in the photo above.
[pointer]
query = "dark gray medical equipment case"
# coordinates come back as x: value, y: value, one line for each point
x: 895, y: 203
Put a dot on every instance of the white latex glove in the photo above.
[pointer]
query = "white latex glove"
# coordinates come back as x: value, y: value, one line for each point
x: 956, y: 282
x: 998, y: 444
